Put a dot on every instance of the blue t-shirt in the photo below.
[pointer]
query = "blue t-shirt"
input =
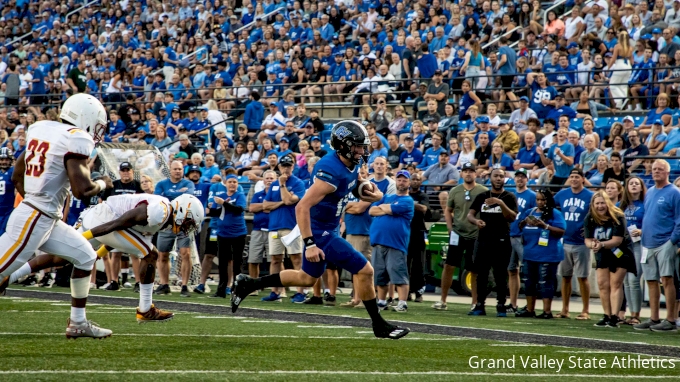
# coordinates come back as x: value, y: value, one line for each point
x: 407, y: 158
x: 525, y: 201
x: 325, y: 216
x: 561, y: 168
x: 662, y: 220
x: 284, y: 216
x: 431, y: 157
x: 539, y: 94
x: 202, y: 192
x: 509, y: 67
x: 172, y: 190
x: 533, y: 251
x: 399, y: 223
x: 260, y: 219
x: 528, y: 155
x: 634, y: 213
x: 230, y: 224
x: 574, y: 208
x: 382, y: 185
x: 38, y: 87
x: 358, y: 224
x: 505, y: 161
x: 6, y: 192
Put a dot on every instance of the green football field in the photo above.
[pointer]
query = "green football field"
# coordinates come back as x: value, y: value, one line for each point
x: 288, y: 342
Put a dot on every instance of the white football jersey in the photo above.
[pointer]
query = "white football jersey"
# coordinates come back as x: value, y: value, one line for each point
x: 157, y: 209
x: 48, y: 144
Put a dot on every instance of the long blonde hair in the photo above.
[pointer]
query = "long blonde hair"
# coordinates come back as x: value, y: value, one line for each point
x: 624, y: 40
x: 613, y: 212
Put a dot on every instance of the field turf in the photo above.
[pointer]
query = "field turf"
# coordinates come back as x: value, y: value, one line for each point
x: 220, y: 346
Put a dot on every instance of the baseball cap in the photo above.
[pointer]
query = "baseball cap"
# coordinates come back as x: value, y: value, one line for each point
x: 646, y: 37
x: 524, y: 98
x: 194, y: 168
x: 286, y: 160
x: 133, y: 111
x: 559, y: 95
x: 503, y: 122
x: 314, y: 138
x: 227, y: 165
x: 404, y: 173
x: 628, y: 118
x: 656, y: 31
x: 192, y: 109
x: 284, y: 139
x: 125, y: 165
x: 468, y: 166
x: 577, y: 172
x: 409, y: 137
x: 522, y: 171
x: 437, y: 72
x: 182, y: 155
x: 572, y: 45
x: 175, y: 109
x: 483, y: 119
x: 444, y: 153
x: 658, y: 122
x: 433, y: 118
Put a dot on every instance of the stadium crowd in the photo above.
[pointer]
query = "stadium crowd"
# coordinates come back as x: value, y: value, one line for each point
x: 233, y: 94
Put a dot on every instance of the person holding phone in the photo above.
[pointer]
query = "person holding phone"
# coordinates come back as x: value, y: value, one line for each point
x: 542, y: 229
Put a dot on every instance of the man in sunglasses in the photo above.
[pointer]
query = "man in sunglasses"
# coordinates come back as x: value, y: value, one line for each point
x: 462, y: 233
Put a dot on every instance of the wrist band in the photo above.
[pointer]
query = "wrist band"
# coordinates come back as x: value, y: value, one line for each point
x: 102, y: 251
x: 101, y: 183
x: 88, y: 235
x: 309, y: 242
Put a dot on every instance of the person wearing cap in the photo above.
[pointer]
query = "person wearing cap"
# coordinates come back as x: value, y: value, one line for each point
x: 258, y: 247
x: 290, y: 135
x: 497, y: 208
x: 124, y: 186
x: 574, y: 202
x: 315, y: 142
x: 390, y: 246
x: 272, y: 124
x: 441, y: 173
x: 438, y: 91
x: 411, y: 155
x: 507, y: 138
x: 226, y: 205
x: 519, y: 117
x: 431, y: 156
x: 283, y: 148
x: 76, y: 78
x: 171, y: 188
x: 484, y: 128
x: 280, y: 202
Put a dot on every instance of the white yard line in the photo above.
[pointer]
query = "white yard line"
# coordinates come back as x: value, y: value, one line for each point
x: 336, y: 372
x: 436, y: 339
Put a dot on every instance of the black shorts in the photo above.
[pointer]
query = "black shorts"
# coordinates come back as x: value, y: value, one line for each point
x: 331, y: 266
x: 506, y: 82
x: 608, y: 260
x: 464, y: 250
x: 211, y: 247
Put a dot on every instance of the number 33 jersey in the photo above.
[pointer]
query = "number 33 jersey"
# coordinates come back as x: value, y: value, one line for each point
x: 48, y: 145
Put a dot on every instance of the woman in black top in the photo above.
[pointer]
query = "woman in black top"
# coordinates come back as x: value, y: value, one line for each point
x: 471, y: 30
x: 298, y: 76
x: 605, y: 232
x: 316, y: 80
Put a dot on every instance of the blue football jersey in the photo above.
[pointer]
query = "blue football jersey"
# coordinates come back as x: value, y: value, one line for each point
x: 325, y: 216
x: 6, y: 192
x: 74, y: 209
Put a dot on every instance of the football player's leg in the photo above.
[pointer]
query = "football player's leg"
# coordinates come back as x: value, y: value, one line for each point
x: 147, y: 311
x: 26, y: 230
x: 69, y: 244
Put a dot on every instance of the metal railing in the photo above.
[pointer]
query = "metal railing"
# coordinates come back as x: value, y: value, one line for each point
x: 22, y: 37
x: 250, y: 24
x: 68, y: 15
x: 550, y: 8
x: 494, y: 41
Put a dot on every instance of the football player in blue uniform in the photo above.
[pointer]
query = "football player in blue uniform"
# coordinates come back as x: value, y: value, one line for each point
x: 336, y: 178
x: 6, y: 187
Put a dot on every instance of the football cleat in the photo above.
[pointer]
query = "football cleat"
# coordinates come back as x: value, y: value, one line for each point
x: 85, y: 329
x: 154, y: 315
x: 390, y: 331
x: 243, y: 285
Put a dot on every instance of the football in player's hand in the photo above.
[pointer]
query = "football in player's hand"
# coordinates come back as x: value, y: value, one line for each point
x: 366, y: 186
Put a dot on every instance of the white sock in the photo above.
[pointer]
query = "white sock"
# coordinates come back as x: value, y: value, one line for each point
x: 78, y: 314
x: 25, y: 270
x: 327, y: 291
x: 383, y: 302
x: 402, y: 302
x: 145, y: 292
x: 54, y: 275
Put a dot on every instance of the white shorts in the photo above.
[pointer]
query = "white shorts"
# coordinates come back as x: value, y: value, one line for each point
x: 29, y: 230
x: 276, y: 246
x: 126, y: 241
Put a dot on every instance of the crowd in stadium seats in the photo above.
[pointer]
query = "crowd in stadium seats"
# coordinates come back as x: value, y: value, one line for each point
x: 440, y: 85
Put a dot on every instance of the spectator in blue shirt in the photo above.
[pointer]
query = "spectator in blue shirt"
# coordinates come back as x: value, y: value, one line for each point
x: 391, y: 245
x: 171, y: 188
x: 254, y: 114
x: 561, y: 156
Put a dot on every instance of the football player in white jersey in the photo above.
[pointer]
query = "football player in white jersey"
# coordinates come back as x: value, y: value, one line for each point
x: 127, y: 223
x: 55, y: 159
